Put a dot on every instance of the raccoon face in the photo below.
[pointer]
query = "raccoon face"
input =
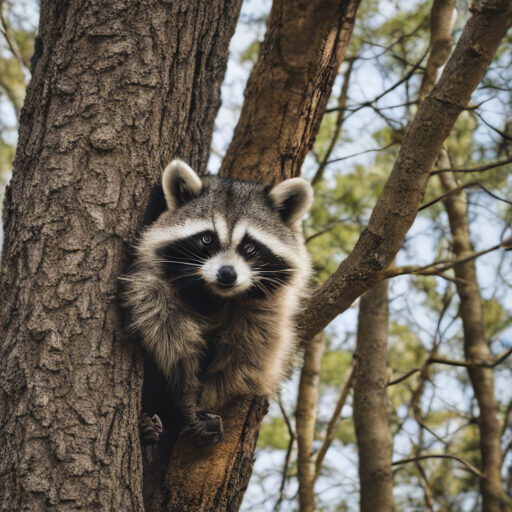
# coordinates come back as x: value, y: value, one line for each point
x: 228, y: 238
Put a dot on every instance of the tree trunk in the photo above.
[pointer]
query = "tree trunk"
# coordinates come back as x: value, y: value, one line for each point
x: 307, y: 401
x: 371, y: 402
x: 298, y: 110
x: 398, y: 203
x: 441, y: 43
x: 121, y: 88
x: 289, y: 87
x: 476, y: 349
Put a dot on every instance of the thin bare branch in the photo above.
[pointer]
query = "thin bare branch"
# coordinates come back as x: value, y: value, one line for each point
x: 469, y: 466
x: 440, y: 266
x: 11, y: 41
x: 277, y: 506
x: 404, y: 376
x: 452, y: 362
x: 475, y: 169
x: 362, y: 153
x: 342, y: 102
x: 444, y: 196
x: 334, y: 421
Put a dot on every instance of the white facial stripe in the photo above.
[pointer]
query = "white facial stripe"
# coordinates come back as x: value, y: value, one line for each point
x: 222, y: 229
x: 243, y: 272
x: 273, y: 243
x: 154, y: 237
x: 238, y: 233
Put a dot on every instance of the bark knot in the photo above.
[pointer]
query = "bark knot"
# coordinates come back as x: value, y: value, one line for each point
x: 104, y: 138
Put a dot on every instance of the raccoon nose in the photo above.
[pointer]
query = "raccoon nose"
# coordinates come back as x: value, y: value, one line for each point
x: 226, y: 274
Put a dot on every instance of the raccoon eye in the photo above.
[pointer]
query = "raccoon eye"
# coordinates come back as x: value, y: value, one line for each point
x: 206, y: 239
x: 249, y: 248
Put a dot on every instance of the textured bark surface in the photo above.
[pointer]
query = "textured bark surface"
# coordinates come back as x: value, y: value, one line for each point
x: 214, y: 478
x: 121, y: 88
x: 305, y: 419
x: 398, y: 203
x: 476, y: 348
x: 288, y: 89
x: 371, y: 402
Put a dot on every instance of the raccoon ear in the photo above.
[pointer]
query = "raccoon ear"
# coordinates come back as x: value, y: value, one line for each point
x: 180, y: 183
x: 292, y: 199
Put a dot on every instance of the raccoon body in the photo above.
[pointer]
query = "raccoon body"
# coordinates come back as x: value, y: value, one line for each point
x: 215, y: 289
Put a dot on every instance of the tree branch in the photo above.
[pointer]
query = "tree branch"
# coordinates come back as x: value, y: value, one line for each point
x: 475, y: 169
x: 398, y: 203
x: 445, y: 264
x: 452, y: 362
x: 469, y: 466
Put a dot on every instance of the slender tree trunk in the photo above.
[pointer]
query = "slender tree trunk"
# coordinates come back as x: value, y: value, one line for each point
x: 476, y: 349
x: 288, y: 88
x: 121, y: 88
x: 475, y: 346
x: 441, y: 43
x: 371, y: 402
x: 307, y: 401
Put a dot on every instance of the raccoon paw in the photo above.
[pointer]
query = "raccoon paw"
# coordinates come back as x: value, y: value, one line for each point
x: 205, y: 429
x: 150, y: 428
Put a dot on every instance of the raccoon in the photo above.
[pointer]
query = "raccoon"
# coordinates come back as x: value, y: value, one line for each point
x: 215, y: 289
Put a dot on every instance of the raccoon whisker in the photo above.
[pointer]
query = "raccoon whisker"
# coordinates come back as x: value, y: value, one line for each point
x: 265, y: 298
x: 180, y: 246
x: 273, y: 280
x: 268, y: 277
x: 178, y: 262
x: 193, y: 274
x: 258, y: 271
x: 260, y: 287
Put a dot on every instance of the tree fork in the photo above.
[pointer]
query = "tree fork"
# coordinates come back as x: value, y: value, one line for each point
x: 119, y: 89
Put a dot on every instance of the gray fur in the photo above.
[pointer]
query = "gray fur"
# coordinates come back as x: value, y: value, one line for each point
x: 250, y: 341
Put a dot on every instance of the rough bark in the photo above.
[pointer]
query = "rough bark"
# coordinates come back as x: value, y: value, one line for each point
x: 307, y: 401
x: 371, y: 400
x: 216, y: 477
x: 398, y: 203
x: 494, y: 498
x: 121, y: 87
x: 288, y: 89
x: 252, y: 155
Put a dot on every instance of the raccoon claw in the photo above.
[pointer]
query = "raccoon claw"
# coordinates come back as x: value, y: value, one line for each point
x: 150, y: 428
x: 207, y: 428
